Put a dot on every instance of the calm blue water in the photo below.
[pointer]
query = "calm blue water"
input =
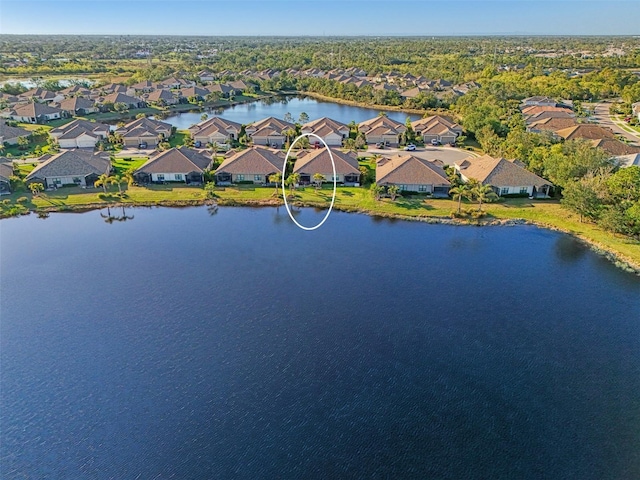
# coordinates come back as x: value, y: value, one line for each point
x: 250, y: 112
x: 180, y: 344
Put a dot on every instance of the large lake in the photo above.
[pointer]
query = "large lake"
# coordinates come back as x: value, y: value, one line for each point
x: 278, y: 107
x: 181, y: 344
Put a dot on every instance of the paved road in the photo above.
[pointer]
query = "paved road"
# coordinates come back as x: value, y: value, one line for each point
x: 601, y: 115
x: 448, y: 155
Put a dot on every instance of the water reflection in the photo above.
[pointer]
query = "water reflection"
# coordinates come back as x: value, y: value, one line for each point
x: 110, y: 218
x: 568, y: 249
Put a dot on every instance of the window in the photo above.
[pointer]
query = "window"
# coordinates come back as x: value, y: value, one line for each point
x: 178, y: 176
x: 524, y: 190
x: 240, y: 178
x: 504, y: 191
x: 422, y: 188
x: 257, y: 178
x: 402, y: 187
x: 57, y: 181
x: 161, y: 177
x: 77, y: 180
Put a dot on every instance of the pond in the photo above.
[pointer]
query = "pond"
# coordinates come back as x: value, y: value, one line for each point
x: 191, y: 343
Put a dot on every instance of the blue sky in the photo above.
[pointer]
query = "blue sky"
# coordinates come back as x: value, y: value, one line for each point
x: 327, y: 17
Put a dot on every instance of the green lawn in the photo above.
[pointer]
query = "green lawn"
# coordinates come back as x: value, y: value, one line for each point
x: 544, y: 212
x: 179, y: 138
x: 121, y: 165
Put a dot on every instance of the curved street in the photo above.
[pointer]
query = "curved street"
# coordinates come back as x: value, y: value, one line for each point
x: 602, y: 117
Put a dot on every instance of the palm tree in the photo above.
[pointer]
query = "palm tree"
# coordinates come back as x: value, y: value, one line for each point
x: 393, y: 191
x: 36, y: 188
x: 459, y: 192
x: 103, y: 180
x: 277, y: 179
x: 117, y: 180
x: 484, y: 193
x: 318, y: 178
x: 376, y: 190
x: 293, y: 180
x: 129, y: 178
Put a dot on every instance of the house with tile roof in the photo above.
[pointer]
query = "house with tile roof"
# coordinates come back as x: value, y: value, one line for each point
x: 118, y: 97
x: 253, y: 165
x: 550, y: 124
x: 615, y: 147
x: 144, y: 131
x: 32, y: 112
x: 269, y: 131
x: 41, y: 95
x: 80, y: 134
x: 539, y: 100
x: 161, y: 97
x: 215, y: 130
x: 319, y: 161
x: 9, y: 134
x: 437, y: 128
x: 506, y: 177
x: 73, y: 106
x: 70, y: 167
x: 183, y: 164
x: 382, y: 129
x: 587, y: 131
x: 413, y: 174
x: 331, y: 131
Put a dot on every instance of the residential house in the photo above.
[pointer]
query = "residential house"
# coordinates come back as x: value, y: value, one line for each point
x: 70, y: 167
x: 10, y: 100
x: 414, y: 92
x: 32, y: 112
x: 382, y: 129
x: 129, y: 101
x: 540, y: 101
x: 10, y: 135
x: 550, y: 124
x: 6, y: 172
x: 112, y: 88
x: 146, y: 86
x: 615, y: 147
x: 144, y: 131
x: 253, y: 165
x: 73, y: 106
x: 437, y: 128
x: 206, y: 76
x: 75, y: 91
x: 506, y: 177
x: 41, y: 95
x: 215, y: 130
x: 161, y: 97
x: 319, y: 161
x: 331, y: 131
x: 80, y: 134
x: 198, y: 93
x: 175, y: 83
x: 174, y: 165
x: 221, y: 88
x: 269, y: 131
x: 586, y: 131
x: 413, y: 174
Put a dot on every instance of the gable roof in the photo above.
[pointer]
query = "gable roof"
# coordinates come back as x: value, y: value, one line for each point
x: 319, y: 161
x: 39, y: 93
x: 34, y: 109
x: 147, y: 124
x: 176, y: 160
x: 7, y: 132
x: 436, y: 124
x: 268, y: 126
x: 382, y: 125
x: 6, y: 169
x: 587, y: 131
x: 256, y: 160
x: 119, y: 97
x: 75, y: 103
x: 82, y: 124
x: 158, y: 95
x: 498, y: 172
x: 213, y: 125
x: 325, y: 126
x: 553, y: 123
x: 615, y: 147
x: 71, y: 162
x: 410, y: 170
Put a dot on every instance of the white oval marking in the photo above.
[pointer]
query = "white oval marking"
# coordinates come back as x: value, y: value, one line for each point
x: 335, y: 183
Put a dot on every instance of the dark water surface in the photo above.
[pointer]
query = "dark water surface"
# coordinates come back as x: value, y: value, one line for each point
x: 186, y: 345
x: 277, y: 107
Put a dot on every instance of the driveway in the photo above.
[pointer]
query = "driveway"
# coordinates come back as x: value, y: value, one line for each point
x: 448, y: 155
x: 602, y: 117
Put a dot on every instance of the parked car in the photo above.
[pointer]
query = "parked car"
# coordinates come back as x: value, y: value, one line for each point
x: 435, y: 142
x: 197, y: 144
x: 317, y: 145
x: 142, y: 145
x: 380, y: 145
x: 410, y: 148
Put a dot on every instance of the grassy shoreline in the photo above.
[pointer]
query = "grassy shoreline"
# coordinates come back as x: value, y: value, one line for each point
x: 622, y: 251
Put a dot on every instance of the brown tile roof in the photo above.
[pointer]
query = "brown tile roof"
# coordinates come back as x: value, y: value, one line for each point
x: 382, y: 125
x: 7, y: 132
x: 83, y: 124
x: 553, y: 123
x: 615, y: 147
x: 176, y: 160
x: 34, y: 109
x: 158, y: 95
x: 268, y: 126
x: 75, y: 103
x: 213, y: 125
x: 585, y: 130
x: 324, y: 126
x: 254, y: 160
x: 319, y: 161
x: 118, y: 97
x: 537, y: 109
x: 435, y: 123
x: 6, y: 169
x: 154, y: 127
x: 71, y: 163
x: 498, y: 172
x: 410, y: 170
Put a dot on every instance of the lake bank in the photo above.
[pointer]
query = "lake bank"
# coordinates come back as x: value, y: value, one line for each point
x: 547, y: 214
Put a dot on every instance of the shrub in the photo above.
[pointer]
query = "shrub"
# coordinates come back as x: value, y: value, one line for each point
x: 22, y: 200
